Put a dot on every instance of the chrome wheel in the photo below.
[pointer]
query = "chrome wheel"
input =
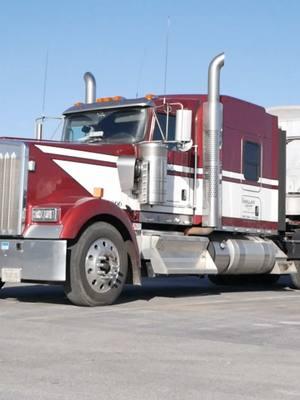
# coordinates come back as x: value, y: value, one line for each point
x: 102, y: 266
x: 98, y: 266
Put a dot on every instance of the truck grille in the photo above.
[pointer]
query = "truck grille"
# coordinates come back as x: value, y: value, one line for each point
x: 13, y: 182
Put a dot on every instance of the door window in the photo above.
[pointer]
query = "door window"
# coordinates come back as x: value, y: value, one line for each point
x: 167, y: 127
x: 251, y: 161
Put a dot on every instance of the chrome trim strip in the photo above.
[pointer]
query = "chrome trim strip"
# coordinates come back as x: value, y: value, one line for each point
x: 248, y: 230
x: 164, y: 218
x: 40, y: 231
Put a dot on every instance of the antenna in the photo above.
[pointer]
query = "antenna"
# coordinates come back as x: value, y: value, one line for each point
x: 45, y: 83
x: 167, y: 53
x: 140, y: 73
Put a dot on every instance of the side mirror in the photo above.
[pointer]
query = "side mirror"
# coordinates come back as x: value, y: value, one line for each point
x: 183, y: 131
x: 40, y: 123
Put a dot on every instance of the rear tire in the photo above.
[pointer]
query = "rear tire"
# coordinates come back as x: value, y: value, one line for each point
x: 236, y: 280
x: 295, y: 278
x: 98, y: 266
x: 268, y: 279
x: 226, y: 280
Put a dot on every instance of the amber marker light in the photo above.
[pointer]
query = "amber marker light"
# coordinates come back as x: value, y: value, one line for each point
x: 149, y: 96
x: 117, y: 98
x: 104, y: 99
x: 78, y: 104
x: 98, y: 192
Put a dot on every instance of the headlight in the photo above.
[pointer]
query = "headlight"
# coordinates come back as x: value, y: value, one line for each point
x: 45, y: 214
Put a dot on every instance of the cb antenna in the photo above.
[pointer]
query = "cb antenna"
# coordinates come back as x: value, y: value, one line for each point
x: 45, y: 84
x: 167, y: 54
x: 140, y: 73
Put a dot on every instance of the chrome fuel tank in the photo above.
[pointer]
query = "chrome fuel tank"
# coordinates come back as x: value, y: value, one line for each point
x: 250, y: 255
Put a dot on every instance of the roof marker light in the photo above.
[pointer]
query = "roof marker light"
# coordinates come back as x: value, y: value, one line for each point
x: 104, y: 99
x: 118, y: 98
x: 149, y: 96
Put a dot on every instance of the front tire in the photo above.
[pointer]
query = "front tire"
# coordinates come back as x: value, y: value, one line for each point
x: 97, y: 267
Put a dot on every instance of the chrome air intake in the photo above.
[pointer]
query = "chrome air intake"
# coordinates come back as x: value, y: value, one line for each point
x: 153, y: 172
x: 212, y: 129
x: 13, y: 186
x: 90, y: 87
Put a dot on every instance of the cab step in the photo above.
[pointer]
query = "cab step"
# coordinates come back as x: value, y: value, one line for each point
x: 176, y: 254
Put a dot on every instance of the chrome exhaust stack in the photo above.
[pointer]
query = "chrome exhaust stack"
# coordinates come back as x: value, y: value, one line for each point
x: 90, y: 87
x: 212, y: 139
x: 39, y: 124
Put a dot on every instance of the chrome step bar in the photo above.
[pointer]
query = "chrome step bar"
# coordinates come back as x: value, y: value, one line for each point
x: 176, y: 254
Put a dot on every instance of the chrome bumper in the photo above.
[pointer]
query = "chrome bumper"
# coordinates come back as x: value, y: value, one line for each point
x: 33, y: 260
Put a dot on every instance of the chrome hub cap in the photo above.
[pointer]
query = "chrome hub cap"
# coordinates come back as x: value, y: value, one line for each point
x: 102, y: 266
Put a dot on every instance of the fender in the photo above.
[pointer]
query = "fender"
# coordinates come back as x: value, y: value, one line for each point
x: 87, y: 209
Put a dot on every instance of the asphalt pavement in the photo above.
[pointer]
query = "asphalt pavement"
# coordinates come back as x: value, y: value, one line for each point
x: 173, y: 339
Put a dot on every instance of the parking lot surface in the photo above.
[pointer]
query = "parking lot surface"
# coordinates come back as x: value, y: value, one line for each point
x: 176, y: 339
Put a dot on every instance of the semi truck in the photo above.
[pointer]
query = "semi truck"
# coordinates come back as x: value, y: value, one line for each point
x: 167, y: 185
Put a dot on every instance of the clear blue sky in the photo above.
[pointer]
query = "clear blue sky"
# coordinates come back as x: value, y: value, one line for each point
x: 123, y: 44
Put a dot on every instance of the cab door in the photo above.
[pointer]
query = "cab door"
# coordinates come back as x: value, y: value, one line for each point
x: 251, y: 169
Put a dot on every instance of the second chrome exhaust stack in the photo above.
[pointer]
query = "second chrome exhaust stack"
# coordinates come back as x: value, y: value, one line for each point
x: 212, y: 131
x: 90, y: 87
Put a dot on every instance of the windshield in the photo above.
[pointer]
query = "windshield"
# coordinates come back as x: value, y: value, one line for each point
x: 107, y: 126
